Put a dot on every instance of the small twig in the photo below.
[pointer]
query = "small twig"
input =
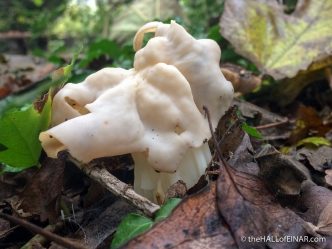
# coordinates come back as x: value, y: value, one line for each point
x: 45, y: 233
x: 271, y: 125
x: 118, y: 187
x: 213, y: 172
x: 41, y: 239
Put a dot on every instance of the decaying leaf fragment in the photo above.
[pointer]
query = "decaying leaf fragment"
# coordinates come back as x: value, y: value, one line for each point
x: 279, y: 44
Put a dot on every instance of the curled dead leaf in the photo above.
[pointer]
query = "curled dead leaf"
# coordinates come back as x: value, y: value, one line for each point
x: 283, y: 175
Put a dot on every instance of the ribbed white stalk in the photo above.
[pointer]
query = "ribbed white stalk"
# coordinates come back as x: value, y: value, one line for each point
x: 154, y: 185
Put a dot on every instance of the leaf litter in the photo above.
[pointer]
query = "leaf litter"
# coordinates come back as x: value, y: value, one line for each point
x: 262, y: 194
x: 258, y: 192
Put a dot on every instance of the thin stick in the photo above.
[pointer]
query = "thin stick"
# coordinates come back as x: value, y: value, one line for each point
x: 47, y: 234
x: 271, y: 125
x: 118, y: 187
x: 41, y: 239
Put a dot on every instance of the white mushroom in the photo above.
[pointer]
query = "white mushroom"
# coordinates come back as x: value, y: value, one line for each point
x: 154, y: 111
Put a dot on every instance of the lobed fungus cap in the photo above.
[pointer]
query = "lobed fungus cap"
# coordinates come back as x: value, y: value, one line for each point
x: 155, y: 109
x: 197, y: 60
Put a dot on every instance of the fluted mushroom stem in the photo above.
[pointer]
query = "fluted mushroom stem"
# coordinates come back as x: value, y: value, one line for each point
x: 154, y: 185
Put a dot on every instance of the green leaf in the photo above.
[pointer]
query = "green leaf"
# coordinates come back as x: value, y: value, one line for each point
x: 316, y: 141
x: 135, y: 224
x: 166, y: 209
x: 99, y: 48
x: 252, y: 131
x: 277, y: 43
x: 19, y: 134
x: 131, y: 226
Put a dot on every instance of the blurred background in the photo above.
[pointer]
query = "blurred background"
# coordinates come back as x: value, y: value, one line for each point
x: 102, y: 29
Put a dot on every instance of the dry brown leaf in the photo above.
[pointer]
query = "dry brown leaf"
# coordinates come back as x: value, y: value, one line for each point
x: 229, y: 132
x: 195, y: 223
x: 42, y: 192
x: 251, y: 211
x: 328, y: 176
x: 314, y: 199
x: 325, y: 220
x: 318, y: 158
x: 282, y: 174
x: 243, y: 81
x: 308, y: 123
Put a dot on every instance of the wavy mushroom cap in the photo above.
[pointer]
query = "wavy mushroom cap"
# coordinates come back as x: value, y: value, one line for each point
x: 152, y: 111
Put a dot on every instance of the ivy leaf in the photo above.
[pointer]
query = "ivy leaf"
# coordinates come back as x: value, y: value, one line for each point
x: 135, y: 224
x: 166, y: 209
x: 131, y: 226
x: 277, y: 43
x: 20, y: 147
x: 316, y: 141
x: 252, y: 131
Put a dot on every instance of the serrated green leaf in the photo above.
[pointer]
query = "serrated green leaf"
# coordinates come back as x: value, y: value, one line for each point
x: 131, y: 226
x: 19, y: 134
x: 166, y: 209
x: 316, y: 141
x: 252, y: 131
x: 277, y: 43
